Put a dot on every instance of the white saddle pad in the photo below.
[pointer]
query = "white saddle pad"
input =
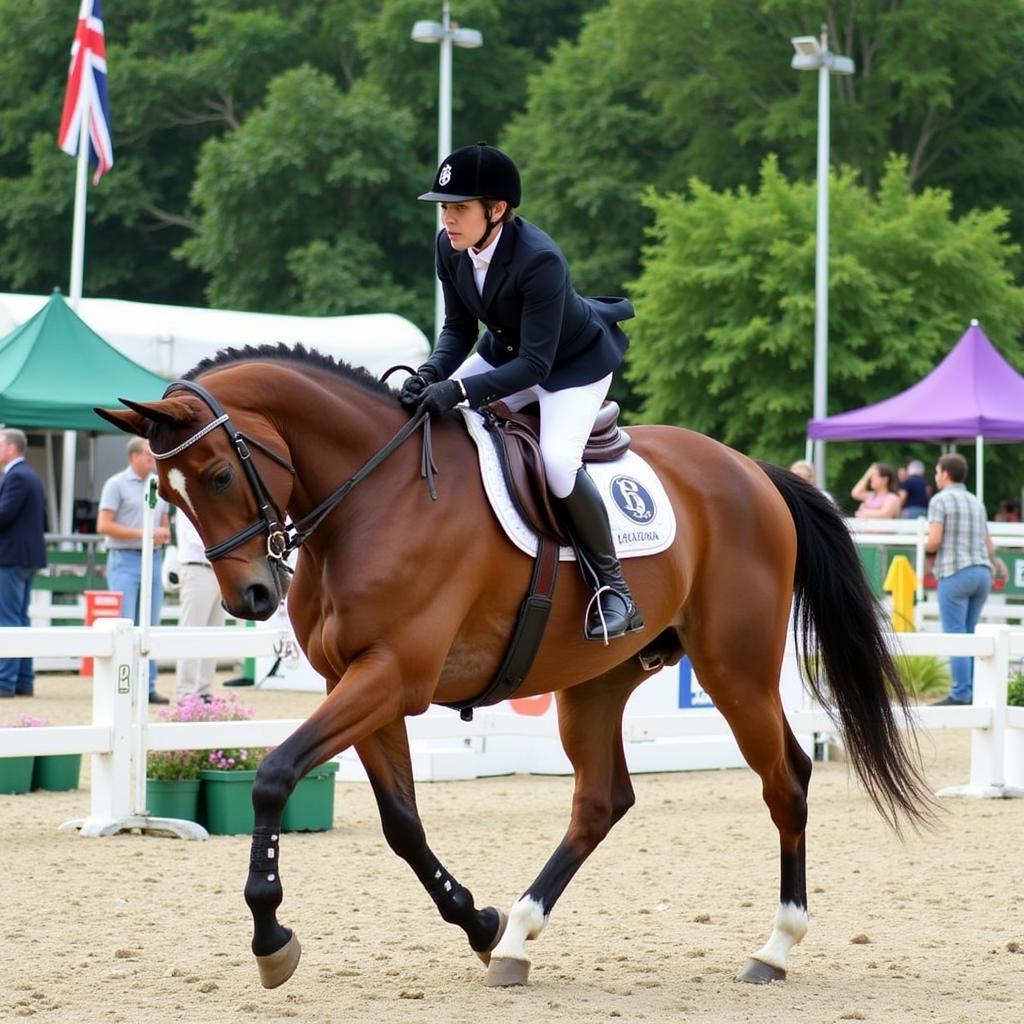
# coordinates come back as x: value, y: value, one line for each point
x: 641, y: 516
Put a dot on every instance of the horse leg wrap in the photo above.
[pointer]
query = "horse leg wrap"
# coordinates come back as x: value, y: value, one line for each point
x: 265, y: 852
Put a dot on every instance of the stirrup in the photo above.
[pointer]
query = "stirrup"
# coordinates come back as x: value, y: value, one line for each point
x: 633, y: 620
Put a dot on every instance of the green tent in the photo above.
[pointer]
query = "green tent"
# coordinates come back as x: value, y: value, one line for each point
x: 54, y: 368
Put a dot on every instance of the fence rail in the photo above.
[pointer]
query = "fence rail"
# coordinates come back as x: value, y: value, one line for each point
x: 119, y: 736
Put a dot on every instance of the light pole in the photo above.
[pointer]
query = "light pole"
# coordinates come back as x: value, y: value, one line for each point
x: 814, y: 55
x: 445, y: 33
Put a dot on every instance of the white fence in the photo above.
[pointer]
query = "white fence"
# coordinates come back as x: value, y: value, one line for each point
x: 911, y: 533
x: 444, y: 747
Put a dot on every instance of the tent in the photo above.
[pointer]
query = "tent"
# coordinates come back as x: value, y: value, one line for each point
x: 54, y: 369
x: 974, y: 393
x: 169, y: 340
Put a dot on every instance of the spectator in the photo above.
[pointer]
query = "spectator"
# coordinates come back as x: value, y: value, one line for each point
x: 200, y: 606
x: 805, y: 470
x: 958, y: 534
x: 1008, y: 511
x: 914, y: 491
x: 122, y: 503
x: 22, y: 552
x: 876, y: 491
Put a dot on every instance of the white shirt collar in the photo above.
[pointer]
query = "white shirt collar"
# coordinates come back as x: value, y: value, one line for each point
x: 14, y: 462
x: 482, y: 260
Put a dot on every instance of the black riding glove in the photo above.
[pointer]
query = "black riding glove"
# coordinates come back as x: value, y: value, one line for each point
x: 415, y: 385
x: 442, y: 396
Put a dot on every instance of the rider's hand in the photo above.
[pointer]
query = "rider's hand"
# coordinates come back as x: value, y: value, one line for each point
x: 442, y: 396
x: 415, y: 385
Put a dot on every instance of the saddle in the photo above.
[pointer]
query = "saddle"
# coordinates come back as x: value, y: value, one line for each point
x: 517, y: 440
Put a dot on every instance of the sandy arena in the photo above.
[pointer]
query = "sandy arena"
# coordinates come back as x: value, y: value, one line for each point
x: 145, y: 929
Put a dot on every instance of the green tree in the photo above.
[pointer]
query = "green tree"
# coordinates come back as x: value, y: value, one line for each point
x: 314, y: 164
x: 656, y: 91
x: 723, y: 341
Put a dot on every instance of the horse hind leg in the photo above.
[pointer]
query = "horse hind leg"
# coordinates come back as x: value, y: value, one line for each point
x: 785, y: 793
x: 590, y: 725
x: 749, y: 700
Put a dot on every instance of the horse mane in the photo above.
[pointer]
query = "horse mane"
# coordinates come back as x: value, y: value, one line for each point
x: 357, y: 375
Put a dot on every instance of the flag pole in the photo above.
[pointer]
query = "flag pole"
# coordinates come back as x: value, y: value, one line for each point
x: 70, y: 452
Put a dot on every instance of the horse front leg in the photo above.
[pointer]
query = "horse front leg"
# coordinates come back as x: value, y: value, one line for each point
x: 363, y: 701
x: 385, y: 756
x: 590, y: 725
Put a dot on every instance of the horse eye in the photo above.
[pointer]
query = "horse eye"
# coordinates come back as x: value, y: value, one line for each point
x: 222, y: 480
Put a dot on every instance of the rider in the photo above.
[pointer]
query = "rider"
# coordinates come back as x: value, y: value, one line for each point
x: 543, y: 342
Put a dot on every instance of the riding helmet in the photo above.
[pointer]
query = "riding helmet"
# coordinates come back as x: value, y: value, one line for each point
x: 476, y: 172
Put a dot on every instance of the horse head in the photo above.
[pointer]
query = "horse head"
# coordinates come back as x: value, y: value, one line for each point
x: 229, y: 472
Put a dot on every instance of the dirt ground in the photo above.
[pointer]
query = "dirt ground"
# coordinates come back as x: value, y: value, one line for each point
x: 654, y: 927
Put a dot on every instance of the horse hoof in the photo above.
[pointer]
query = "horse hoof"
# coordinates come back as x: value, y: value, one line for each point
x: 757, y: 972
x: 505, y: 971
x: 485, y: 954
x: 277, y: 968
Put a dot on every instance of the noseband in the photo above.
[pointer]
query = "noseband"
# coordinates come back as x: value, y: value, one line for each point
x: 282, y: 540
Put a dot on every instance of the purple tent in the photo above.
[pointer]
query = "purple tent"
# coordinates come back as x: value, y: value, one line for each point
x: 973, y: 393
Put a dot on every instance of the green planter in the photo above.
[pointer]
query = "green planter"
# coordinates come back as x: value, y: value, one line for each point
x: 310, y: 808
x: 16, y: 774
x: 228, y: 799
x: 172, y: 798
x: 56, y: 772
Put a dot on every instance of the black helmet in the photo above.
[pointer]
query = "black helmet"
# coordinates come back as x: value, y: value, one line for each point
x: 476, y: 172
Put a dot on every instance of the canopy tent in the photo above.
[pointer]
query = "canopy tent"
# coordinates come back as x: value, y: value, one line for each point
x: 973, y: 393
x: 170, y: 340
x: 54, y: 368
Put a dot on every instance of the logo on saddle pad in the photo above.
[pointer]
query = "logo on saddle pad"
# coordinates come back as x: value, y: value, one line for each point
x: 632, y: 499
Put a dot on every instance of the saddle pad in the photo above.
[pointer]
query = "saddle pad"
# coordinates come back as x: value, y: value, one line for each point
x: 641, y: 516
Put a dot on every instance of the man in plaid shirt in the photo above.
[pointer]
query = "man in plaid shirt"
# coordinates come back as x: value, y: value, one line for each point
x: 958, y: 534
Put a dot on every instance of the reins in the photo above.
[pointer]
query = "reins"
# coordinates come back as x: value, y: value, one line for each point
x: 283, y: 539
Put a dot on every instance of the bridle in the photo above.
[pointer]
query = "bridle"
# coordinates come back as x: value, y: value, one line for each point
x: 283, y: 539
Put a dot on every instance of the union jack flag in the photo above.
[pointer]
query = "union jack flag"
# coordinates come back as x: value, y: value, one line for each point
x: 86, y: 95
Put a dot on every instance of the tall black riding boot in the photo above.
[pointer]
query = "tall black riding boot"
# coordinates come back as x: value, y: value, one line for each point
x: 612, y: 614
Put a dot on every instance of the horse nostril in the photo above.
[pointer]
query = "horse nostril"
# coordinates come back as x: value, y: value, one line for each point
x: 259, y: 601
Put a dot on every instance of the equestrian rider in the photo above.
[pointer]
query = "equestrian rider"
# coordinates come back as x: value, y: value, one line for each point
x: 543, y: 342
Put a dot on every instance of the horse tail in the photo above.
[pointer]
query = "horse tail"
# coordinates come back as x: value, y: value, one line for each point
x: 851, y: 674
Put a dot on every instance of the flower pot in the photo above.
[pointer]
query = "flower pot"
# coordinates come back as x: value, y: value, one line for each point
x: 172, y: 798
x: 228, y: 799
x: 56, y: 772
x: 310, y: 808
x: 16, y: 774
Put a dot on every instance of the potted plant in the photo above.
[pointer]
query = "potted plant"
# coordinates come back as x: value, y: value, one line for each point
x: 16, y: 772
x: 310, y: 808
x: 227, y: 788
x: 173, y: 776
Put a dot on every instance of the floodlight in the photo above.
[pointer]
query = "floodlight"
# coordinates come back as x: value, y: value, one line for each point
x: 467, y: 38
x: 806, y: 46
x: 428, y: 32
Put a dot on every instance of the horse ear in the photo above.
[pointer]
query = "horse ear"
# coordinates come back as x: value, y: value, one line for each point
x: 140, y: 416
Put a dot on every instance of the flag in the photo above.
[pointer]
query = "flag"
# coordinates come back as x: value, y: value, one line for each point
x: 87, y: 92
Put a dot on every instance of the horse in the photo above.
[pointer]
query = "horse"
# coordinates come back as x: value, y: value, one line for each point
x: 399, y: 601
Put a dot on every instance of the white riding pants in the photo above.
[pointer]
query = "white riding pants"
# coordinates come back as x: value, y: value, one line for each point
x: 566, y: 420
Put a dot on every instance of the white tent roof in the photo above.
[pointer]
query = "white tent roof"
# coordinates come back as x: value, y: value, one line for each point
x: 170, y: 340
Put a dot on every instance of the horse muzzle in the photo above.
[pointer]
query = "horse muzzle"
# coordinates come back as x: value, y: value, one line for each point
x: 260, y: 598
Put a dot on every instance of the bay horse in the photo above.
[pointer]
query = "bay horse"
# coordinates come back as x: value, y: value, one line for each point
x: 399, y: 601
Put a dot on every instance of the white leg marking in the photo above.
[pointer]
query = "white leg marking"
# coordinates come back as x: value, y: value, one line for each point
x: 178, y: 483
x: 526, y: 920
x: 790, y: 928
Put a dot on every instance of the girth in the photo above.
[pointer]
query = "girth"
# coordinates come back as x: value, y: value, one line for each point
x: 517, y: 440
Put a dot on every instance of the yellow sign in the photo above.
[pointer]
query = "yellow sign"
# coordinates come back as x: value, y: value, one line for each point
x: 901, y: 582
